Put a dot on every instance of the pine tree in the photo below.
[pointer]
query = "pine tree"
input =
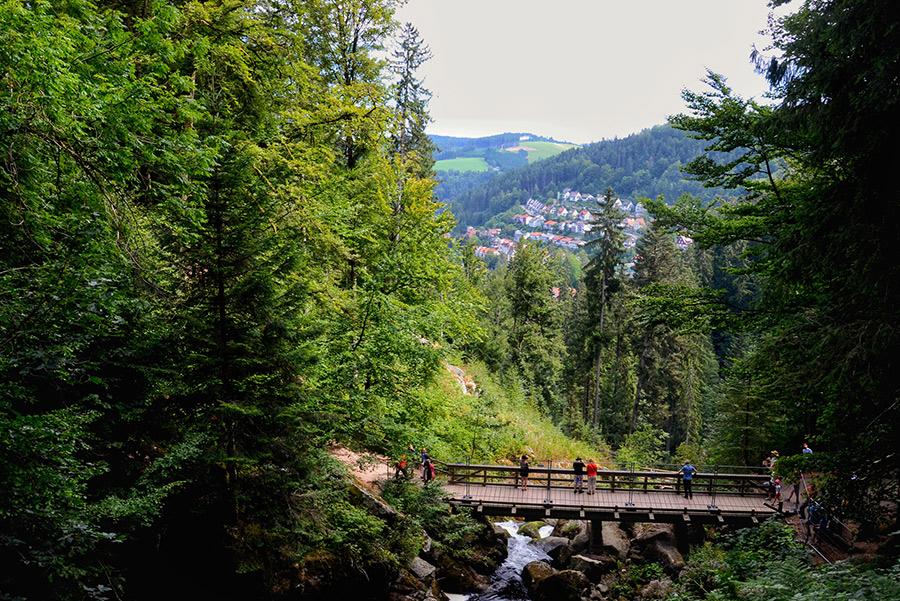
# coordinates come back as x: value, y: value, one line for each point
x: 602, y: 282
x: 536, y: 346
x: 409, y: 141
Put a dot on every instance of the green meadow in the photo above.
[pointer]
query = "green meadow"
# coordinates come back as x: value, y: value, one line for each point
x: 544, y: 150
x: 462, y: 164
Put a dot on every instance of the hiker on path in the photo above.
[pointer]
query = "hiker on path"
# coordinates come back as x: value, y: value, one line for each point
x: 400, y: 468
x: 578, y: 468
x: 427, y: 470
x: 769, y: 461
x: 523, y: 471
x: 687, y: 472
x: 795, y: 493
x: 592, y: 476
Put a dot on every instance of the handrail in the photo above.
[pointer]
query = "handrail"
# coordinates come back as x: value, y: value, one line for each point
x: 564, y: 470
x: 646, y: 480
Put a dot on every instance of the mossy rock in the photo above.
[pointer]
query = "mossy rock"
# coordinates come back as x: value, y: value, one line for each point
x: 568, y: 528
x: 531, y: 529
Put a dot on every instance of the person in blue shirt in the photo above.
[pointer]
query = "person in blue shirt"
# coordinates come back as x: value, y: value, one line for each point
x: 687, y: 472
x: 806, y: 449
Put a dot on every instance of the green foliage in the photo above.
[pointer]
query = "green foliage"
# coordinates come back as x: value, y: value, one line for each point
x: 765, y: 563
x: 632, y: 578
x: 818, y: 357
x: 211, y: 262
x: 536, y: 346
x: 497, y: 423
x: 427, y: 511
x: 642, y: 448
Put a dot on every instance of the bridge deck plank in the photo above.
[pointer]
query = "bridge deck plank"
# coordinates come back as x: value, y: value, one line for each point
x: 606, y: 499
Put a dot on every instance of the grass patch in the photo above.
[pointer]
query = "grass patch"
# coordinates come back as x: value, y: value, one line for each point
x: 499, y: 424
x: 538, y: 151
x: 462, y: 164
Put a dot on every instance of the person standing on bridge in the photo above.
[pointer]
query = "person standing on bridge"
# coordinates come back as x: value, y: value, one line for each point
x: 523, y: 471
x: 592, y: 476
x: 578, y: 468
x: 687, y: 472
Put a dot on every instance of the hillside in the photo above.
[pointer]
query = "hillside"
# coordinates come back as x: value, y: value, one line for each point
x: 644, y: 164
x: 498, y: 153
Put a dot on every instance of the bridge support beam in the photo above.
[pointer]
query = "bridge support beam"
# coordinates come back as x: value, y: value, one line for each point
x: 682, y: 537
x: 595, y: 528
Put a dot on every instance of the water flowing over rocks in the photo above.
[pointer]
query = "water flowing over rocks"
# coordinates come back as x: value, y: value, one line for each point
x: 564, y: 567
x: 531, y: 529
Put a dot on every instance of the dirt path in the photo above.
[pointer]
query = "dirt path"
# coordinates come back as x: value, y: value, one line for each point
x: 368, y: 468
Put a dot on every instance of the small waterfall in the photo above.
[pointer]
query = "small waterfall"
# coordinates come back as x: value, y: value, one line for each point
x: 506, y: 583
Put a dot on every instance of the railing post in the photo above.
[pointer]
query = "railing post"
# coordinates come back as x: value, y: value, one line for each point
x: 467, y: 496
x: 549, y: 498
x: 630, y: 501
x: 712, y: 505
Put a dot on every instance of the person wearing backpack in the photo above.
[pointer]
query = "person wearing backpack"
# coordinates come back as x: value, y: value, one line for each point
x: 578, y: 468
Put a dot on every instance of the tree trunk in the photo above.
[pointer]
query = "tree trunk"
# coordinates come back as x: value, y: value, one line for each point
x: 642, y: 366
x: 597, y: 362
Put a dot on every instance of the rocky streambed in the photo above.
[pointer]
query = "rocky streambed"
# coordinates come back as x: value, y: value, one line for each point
x: 551, y: 561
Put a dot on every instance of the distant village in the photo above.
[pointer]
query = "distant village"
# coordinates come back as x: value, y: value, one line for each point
x: 564, y: 222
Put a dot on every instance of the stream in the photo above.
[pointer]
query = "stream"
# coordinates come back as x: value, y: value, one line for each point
x: 506, y: 583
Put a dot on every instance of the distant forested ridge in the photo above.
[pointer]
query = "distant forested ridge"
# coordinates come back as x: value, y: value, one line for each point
x: 644, y: 164
x: 449, y: 147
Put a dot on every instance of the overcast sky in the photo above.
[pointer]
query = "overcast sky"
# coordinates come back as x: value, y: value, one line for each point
x: 578, y: 70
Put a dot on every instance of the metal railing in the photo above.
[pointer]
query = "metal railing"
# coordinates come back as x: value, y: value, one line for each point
x: 645, y: 481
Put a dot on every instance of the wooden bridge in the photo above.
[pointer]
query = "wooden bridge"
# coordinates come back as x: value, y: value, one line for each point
x: 622, y: 495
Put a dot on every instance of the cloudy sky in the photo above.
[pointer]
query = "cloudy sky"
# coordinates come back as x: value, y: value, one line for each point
x: 578, y: 70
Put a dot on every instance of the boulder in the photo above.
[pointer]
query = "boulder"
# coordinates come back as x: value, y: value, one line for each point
x: 408, y: 587
x: 457, y: 577
x: 558, y: 548
x: 551, y: 542
x: 489, y: 549
x: 669, y: 557
x: 615, y: 541
x: 582, y: 541
x: 646, y: 533
x: 534, y: 572
x: 560, y: 556
x: 531, y: 529
x: 593, y: 566
x: 426, y: 543
x: 500, y: 532
x: 569, y: 528
x: 566, y: 585
x: 422, y: 570
x: 375, y: 505
x: 656, y: 589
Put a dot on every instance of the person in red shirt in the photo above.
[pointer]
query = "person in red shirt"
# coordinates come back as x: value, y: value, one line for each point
x: 591, y: 469
x: 400, y: 468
